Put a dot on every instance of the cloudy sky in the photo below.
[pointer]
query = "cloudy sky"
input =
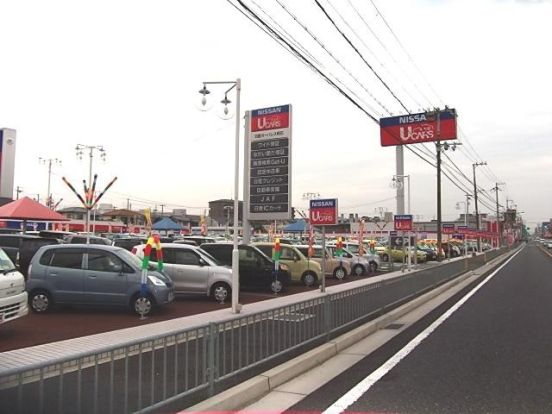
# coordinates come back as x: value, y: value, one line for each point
x: 125, y: 75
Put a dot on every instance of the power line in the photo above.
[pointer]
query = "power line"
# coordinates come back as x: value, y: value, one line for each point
x: 273, y: 33
x: 405, y: 51
x: 360, y: 54
x: 390, y: 55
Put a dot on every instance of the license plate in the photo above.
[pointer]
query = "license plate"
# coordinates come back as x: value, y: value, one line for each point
x: 171, y: 296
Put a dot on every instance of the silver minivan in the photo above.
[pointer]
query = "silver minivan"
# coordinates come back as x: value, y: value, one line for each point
x: 93, y: 275
x: 193, y: 270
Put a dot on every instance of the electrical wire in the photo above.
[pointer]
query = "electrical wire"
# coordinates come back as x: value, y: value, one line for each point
x: 360, y: 54
x: 272, y: 33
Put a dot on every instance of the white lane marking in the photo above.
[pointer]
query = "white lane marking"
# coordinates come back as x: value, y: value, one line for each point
x: 363, y: 386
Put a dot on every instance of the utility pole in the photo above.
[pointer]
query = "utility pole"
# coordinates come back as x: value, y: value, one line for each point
x: 162, y: 207
x: 477, y: 224
x: 49, y: 162
x: 18, y: 190
x: 497, y: 189
x: 438, y: 148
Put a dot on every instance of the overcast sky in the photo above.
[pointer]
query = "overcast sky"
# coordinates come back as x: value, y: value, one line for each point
x: 126, y: 75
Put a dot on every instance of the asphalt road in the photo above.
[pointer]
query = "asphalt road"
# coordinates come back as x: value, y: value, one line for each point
x: 492, y: 355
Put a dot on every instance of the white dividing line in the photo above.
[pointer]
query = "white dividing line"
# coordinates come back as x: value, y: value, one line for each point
x: 363, y: 386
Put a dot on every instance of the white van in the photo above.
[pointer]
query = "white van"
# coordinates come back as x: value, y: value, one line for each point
x: 13, y: 297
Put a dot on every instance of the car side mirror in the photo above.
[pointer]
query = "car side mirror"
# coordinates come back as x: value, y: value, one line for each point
x: 202, y: 262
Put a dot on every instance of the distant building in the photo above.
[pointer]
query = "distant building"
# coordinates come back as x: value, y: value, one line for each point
x: 222, y: 211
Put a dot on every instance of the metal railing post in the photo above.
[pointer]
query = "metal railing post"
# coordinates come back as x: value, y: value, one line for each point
x: 327, y: 316
x: 211, y: 357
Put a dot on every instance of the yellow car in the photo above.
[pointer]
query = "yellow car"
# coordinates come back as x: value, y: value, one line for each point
x: 399, y: 255
x: 303, y: 270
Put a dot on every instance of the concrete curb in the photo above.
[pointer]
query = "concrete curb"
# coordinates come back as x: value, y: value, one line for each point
x: 251, y: 390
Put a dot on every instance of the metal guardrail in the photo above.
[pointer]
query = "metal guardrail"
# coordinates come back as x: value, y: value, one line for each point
x: 147, y: 375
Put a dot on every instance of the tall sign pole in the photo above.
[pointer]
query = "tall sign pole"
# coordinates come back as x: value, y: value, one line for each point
x: 400, y: 172
x: 323, y: 212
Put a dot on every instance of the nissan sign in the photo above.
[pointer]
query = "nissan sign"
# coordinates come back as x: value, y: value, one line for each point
x: 323, y: 212
x: 418, y: 128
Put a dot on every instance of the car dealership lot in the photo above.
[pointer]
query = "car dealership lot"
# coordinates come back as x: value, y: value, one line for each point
x: 73, y: 322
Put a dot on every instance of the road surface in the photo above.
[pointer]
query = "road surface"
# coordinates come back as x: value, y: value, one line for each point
x: 491, y: 355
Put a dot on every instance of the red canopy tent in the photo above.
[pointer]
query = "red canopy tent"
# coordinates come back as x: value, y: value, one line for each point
x: 28, y: 209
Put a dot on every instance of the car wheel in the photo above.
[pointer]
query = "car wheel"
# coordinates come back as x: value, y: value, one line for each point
x: 220, y: 292
x: 276, y: 286
x: 340, y: 273
x: 373, y: 267
x: 358, y: 270
x: 40, y: 301
x: 309, y: 279
x: 141, y: 305
x: 385, y: 257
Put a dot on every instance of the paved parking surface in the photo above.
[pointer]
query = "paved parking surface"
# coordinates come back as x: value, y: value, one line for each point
x: 68, y: 322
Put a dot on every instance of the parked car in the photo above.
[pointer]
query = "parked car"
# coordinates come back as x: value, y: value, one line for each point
x: 256, y: 268
x: 81, y: 239
x: 399, y: 255
x: 10, y: 244
x: 27, y: 249
x: 359, y: 264
x: 193, y: 271
x: 21, y: 248
x: 13, y: 297
x: 199, y: 240
x: 304, y: 271
x: 431, y: 254
x: 128, y: 243
x: 339, y: 269
x: 93, y: 275
x: 373, y: 258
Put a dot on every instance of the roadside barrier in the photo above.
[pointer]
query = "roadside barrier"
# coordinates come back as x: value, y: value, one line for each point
x: 181, y: 368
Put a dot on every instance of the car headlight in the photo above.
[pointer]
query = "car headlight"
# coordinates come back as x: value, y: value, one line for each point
x: 156, y: 281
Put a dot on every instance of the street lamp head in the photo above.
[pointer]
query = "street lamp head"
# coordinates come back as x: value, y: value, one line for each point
x: 226, y: 111
x: 205, y: 104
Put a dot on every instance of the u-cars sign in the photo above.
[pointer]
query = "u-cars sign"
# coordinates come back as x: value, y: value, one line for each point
x: 268, y: 140
x: 323, y: 212
x: 417, y: 128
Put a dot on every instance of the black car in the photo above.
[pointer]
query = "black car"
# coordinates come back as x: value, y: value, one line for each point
x: 256, y: 268
x: 21, y: 248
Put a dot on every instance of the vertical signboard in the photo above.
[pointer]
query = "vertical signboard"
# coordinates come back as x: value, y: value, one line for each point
x: 403, y: 222
x: 323, y: 212
x: 269, y: 163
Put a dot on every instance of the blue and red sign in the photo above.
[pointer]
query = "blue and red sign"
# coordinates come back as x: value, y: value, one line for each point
x: 418, y: 128
x: 403, y: 222
x: 448, y: 228
x: 323, y: 212
x: 266, y: 119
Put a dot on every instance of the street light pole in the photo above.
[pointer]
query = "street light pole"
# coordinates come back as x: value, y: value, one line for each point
x: 477, y: 225
x: 236, y: 308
